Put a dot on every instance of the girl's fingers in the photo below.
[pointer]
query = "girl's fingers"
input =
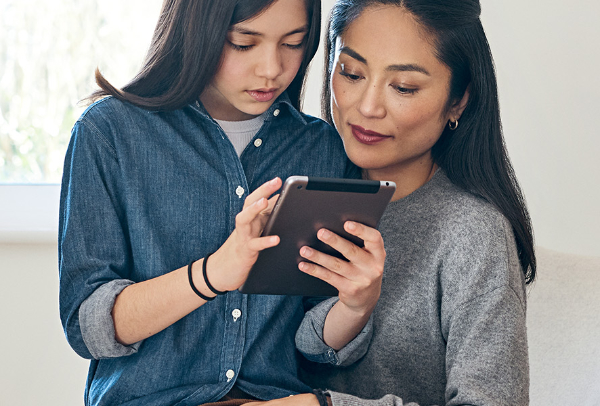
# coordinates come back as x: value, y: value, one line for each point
x: 265, y: 190
x: 249, y: 213
x: 261, y: 243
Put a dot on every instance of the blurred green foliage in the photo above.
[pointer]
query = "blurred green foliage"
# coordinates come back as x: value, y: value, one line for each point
x: 48, y: 53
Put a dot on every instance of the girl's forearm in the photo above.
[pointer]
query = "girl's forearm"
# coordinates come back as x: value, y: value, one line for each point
x: 146, y: 308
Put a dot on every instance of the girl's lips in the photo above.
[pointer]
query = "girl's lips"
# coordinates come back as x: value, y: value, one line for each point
x: 367, y: 137
x: 262, y: 95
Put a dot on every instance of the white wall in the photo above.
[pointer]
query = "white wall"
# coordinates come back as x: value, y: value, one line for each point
x: 547, y: 57
x: 546, y: 54
x: 37, y: 366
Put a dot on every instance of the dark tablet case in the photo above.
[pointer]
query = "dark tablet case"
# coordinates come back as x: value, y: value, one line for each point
x: 305, y: 206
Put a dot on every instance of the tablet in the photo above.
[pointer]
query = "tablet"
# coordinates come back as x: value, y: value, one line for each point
x: 307, y: 204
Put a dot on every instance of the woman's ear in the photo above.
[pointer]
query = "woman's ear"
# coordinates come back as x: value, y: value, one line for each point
x: 460, y: 106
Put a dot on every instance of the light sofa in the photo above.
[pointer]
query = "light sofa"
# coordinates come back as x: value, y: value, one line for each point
x: 563, y: 323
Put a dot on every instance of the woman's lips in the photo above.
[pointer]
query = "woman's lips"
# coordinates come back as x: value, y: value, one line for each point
x: 367, y: 137
x: 262, y: 95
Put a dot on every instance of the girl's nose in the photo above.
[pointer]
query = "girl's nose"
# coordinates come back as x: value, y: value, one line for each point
x: 270, y: 65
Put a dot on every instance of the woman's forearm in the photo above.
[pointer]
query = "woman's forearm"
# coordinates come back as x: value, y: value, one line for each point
x: 342, y: 325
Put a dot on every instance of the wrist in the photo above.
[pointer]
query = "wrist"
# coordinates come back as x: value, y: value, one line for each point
x: 214, y: 275
x: 323, y: 398
x: 207, y: 282
x: 196, y: 281
x: 354, y: 313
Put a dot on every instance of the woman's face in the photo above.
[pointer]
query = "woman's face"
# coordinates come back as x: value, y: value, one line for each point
x: 260, y: 59
x: 389, y: 94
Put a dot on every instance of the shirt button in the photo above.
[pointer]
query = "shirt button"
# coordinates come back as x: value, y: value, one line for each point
x: 257, y: 142
x: 229, y: 374
x: 239, y: 191
x: 236, y: 314
x: 276, y: 112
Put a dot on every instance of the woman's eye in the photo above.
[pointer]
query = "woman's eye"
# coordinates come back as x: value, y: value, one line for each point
x: 350, y: 76
x: 404, y: 90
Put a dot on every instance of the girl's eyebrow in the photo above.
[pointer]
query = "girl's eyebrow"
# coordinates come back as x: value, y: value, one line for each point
x: 244, y: 31
x: 404, y: 67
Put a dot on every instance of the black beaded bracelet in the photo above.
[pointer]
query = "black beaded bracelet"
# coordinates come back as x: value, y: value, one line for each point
x: 196, y: 291
x: 204, y: 273
x: 321, y: 397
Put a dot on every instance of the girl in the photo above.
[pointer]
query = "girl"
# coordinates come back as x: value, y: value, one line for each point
x: 154, y: 176
x: 412, y: 92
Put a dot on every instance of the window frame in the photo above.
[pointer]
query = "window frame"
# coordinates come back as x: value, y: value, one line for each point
x: 29, y: 213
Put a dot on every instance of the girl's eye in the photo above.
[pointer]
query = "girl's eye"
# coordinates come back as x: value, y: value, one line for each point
x: 295, y: 46
x: 239, y: 47
x: 404, y: 90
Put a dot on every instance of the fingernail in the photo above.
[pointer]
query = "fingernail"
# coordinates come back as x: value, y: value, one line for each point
x: 273, y: 181
x: 325, y: 233
x: 306, y: 252
x: 351, y: 225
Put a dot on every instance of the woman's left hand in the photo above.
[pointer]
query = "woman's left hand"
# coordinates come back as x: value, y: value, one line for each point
x: 305, y: 399
x: 358, y: 280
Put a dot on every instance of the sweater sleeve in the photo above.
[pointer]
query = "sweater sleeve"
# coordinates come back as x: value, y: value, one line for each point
x: 94, y: 256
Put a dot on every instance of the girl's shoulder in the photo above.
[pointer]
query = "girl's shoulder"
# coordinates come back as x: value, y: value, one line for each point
x: 112, y: 109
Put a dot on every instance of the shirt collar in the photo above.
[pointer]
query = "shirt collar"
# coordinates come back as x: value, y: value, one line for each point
x: 282, y: 102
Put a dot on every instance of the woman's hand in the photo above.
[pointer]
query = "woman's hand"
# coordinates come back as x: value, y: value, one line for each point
x: 358, y: 280
x: 228, y: 267
x: 305, y: 399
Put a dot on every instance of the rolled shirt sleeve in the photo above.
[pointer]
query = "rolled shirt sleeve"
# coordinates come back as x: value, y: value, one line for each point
x: 97, y: 325
x: 310, y: 342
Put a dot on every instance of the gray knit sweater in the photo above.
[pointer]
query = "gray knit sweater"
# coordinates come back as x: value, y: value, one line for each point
x: 449, y: 327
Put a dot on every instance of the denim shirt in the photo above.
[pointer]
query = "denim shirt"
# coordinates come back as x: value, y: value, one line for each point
x: 143, y: 193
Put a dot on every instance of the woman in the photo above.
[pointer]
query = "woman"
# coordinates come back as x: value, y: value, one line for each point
x: 180, y: 163
x: 412, y: 92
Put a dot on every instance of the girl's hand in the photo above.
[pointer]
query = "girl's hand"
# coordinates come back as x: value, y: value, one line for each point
x: 228, y: 267
x: 358, y: 280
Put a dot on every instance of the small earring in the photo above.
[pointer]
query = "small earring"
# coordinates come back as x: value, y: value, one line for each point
x: 453, y: 125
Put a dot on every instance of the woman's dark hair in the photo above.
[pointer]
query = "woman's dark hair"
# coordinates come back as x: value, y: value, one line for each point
x: 186, y: 49
x: 474, y: 155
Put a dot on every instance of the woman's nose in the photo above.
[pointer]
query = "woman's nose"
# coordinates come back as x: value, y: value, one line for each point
x: 371, y: 103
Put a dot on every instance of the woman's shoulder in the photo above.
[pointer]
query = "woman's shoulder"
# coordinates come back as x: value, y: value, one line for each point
x: 458, y: 206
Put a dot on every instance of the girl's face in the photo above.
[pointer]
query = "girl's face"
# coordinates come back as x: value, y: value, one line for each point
x: 260, y: 59
x: 389, y: 94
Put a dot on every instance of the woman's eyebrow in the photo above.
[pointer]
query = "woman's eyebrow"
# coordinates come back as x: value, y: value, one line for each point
x: 244, y: 31
x: 407, y: 67
x: 353, y: 54
x: 404, y: 67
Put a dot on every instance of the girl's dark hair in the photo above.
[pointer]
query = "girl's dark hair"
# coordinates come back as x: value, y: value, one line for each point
x: 473, y: 156
x: 186, y: 49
